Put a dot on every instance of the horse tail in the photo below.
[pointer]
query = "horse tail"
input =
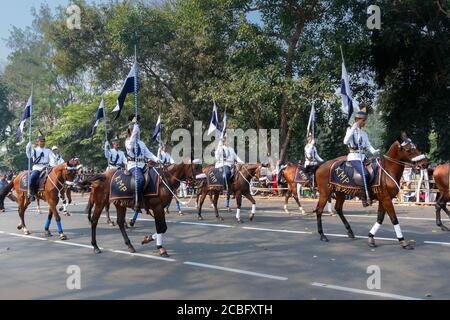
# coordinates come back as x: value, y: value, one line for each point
x: 85, y: 185
x: 6, y: 190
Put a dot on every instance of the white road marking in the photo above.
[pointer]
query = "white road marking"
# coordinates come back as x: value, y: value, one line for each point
x: 372, y: 293
x: 25, y: 236
x: 207, y: 224
x: 72, y: 244
x: 142, y: 255
x: 277, y: 230
x: 251, y: 273
x: 436, y: 242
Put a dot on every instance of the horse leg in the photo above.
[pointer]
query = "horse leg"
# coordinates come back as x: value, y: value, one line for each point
x: 387, y: 204
x: 297, y: 200
x: 200, y: 205
x: 252, y: 200
x: 47, y: 224
x: 161, y: 228
x: 23, y: 203
x: 121, y: 212
x: 59, y: 228
x: 227, y: 202
x: 215, y: 200
x: 377, y: 225
x: 438, y: 207
x: 210, y: 194
x: 340, y: 199
x: 108, y: 217
x: 38, y: 204
x: 319, y: 210
x: 238, y: 205
x: 286, y: 200
x: 94, y: 223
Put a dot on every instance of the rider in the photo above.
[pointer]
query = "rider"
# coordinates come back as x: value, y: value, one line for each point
x: 116, y: 158
x: 226, y: 157
x: 40, y: 157
x: 55, y: 157
x: 312, y: 158
x: 357, y: 141
x: 136, y: 161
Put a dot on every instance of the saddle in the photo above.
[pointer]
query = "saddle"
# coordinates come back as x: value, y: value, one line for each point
x: 345, y: 178
x: 23, y: 180
x: 300, y: 175
x: 215, y: 178
x: 123, y: 185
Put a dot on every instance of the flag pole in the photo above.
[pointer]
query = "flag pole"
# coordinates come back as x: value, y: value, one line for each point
x: 136, y: 116
x: 29, y: 137
x: 105, y: 120
x: 342, y: 54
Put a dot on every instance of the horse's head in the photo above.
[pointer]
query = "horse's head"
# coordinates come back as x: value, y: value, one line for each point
x: 69, y: 170
x: 192, y: 168
x: 408, y: 152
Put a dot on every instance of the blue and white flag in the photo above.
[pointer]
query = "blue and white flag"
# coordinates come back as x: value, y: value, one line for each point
x: 128, y: 87
x: 346, y: 93
x: 224, y: 125
x: 157, y: 131
x: 100, y: 115
x: 214, y: 124
x: 26, y: 114
x: 312, y: 120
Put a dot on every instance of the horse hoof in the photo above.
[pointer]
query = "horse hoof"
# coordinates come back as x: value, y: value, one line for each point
x: 406, y: 245
x: 132, y: 222
x: 131, y: 250
x: 26, y: 232
x: 444, y: 228
x: 229, y: 209
x: 48, y: 233
x: 97, y: 251
x: 351, y: 235
x: 19, y: 227
x: 163, y: 253
x: 62, y: 237
x: 219, y: 218
x: 324, y: 238
x: 200, y: 218
x: 180, y: 213
x: 147, y: 239
x: 67, y: 214
x: 239, y: 221
x: 371, y: 242
x: 252, y: 216
x: 286, y: 211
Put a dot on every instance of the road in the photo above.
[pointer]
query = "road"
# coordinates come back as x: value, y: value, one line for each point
x: 277, y: 256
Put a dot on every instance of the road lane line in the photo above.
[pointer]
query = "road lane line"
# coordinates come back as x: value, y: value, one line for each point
x: 436, y: 242
x: 142, y: 255
x: 250, y: 273
x: 372, y: 293
x: 72, y: 244
x: 207, y: 224
x: 25, y: 236
x: 277, y: 230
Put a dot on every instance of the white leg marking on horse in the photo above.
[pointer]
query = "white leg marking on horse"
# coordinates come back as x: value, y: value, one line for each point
x: 398, y: 231
x: 159, y: 239
x: 375, y: 228
x: 253, y: 208
x: 238, y: 213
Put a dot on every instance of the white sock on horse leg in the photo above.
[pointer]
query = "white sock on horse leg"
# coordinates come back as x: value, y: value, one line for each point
x: 238, y: 213
x: 285, y: 207
x: 398, y: 231
x: 375, y: 228
x: 330, y: 208
x: 253, y: 208
x: 159, y: 239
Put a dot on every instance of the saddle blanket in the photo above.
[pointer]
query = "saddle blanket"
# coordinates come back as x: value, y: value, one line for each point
x: 300, y: 176
x: 215, y: 177
x: 343, y: 177
x: 123, y: 185
x: 23, y: 181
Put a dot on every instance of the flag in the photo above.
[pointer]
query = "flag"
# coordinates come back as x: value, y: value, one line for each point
x: 128, y: 87
x: 224, y: 125
x: 214, y: 124
x: 26, y: 114
x: 100, y: 115
x: 346, y: 93
x: 312, y: 119
x: 157, y: 132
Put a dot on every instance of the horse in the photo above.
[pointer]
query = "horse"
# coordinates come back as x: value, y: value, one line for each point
x: 171, y: 176
x: 289, y: 173
x: 240, y: 186
x: 392, y: 165
x: 441, y: 176
x: 57, y: 179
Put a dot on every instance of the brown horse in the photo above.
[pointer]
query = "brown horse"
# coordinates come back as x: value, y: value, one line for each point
x: 171, y: 178
x: 392, y: 164
x: 441, y: 177
x: 57, y: 179
x: 240, y: 186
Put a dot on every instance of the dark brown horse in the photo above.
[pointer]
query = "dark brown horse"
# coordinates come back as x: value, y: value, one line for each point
x: 392, y: 164
x: 441, y: 177
x: 240, y: 186
x: 58, y: 178
x: 172, y: 176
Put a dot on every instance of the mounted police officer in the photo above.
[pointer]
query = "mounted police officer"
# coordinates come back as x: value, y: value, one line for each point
x: 40, y: 157
x: 116, y: 158
x: 357, y: 141
x: 164, y: 157
x: 226, y: 157
x: 136, y: 162
x: 312, y: 158
x: 55, y: 157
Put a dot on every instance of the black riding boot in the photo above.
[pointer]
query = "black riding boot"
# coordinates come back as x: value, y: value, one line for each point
x: 364, y: 199
x: 139, y: 204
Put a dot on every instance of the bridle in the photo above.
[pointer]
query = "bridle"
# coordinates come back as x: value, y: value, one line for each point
x: 61, y: 185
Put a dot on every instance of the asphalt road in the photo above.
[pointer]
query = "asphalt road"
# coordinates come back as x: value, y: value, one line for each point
x: 277, y: 256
